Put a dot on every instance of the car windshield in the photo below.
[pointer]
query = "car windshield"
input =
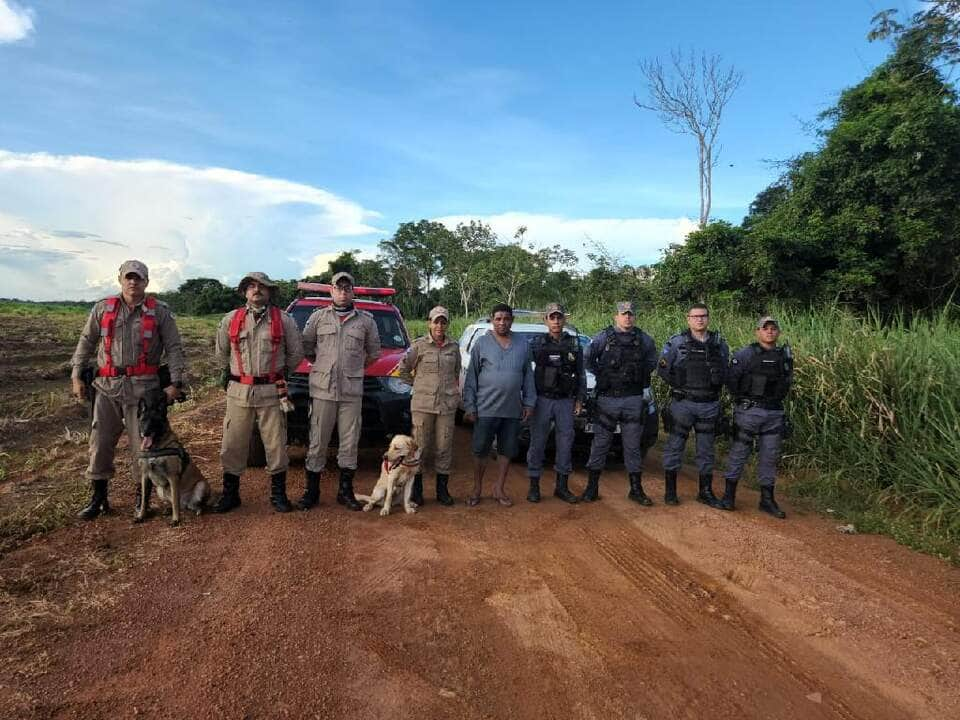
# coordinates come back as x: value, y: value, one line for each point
x: 392, y: 334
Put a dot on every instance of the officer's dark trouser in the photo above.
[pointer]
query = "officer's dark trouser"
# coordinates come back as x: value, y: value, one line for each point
x: 766, y: 428
x: 630, y: 412
x: 558, y: 412
x: 700, y: 417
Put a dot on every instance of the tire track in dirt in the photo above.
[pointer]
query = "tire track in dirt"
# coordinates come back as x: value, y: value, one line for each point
x: 685, y: 598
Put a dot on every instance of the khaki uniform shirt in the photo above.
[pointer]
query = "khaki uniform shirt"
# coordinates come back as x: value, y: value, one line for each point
x: 165, y: 345
x: 255, y: 351
x: 342, y: 351
x: 434, y: 372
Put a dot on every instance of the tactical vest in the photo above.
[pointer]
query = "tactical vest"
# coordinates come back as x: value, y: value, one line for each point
x: 767, y: 378
x: 556, y: 366
x: 148, y: 326
x: 237, y: 323
x: 620, y: 365
x: 701, y: 371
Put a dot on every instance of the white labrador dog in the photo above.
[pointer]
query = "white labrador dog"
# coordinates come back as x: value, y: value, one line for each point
x: 401, y: 462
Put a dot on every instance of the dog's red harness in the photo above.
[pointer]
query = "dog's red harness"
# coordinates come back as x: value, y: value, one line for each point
x: 402, y: 461
x: 276, y: 337
x: 147, y: 328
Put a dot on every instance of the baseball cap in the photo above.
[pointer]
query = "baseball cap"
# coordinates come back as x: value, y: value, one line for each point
x: 767, y: 319
x: 134, y: 266
x: 554, y: 308
x: 342, y: 275
x: 438, y: 311
x: 259, y: 277
x: 625, y: 307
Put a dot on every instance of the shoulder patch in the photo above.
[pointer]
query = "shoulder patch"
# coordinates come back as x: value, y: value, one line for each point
x: 734, y: 361
x: 663, y: 362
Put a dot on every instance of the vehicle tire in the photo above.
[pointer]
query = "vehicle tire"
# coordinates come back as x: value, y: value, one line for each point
x: 257, y: 455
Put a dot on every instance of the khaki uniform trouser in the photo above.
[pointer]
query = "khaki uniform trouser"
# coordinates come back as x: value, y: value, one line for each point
x: 324, y: 414
x: 109, y: 417
x: 238, y: 424
x: 433, y: 432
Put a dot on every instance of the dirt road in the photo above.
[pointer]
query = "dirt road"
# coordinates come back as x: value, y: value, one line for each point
x: 602, y: 610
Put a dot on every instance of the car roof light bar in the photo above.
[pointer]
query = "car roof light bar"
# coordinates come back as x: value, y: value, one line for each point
x: 365, y: 291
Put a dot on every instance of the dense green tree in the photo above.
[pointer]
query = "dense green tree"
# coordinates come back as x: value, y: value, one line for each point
x: 871, y: 217
x: 706, y: 266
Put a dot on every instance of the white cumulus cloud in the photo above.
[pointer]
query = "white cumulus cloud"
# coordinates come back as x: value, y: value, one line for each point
x: 67, y: 222
x: 16, y: 22
x: 635, y: 240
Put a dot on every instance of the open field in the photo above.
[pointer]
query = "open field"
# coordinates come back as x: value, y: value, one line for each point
x: 586, y: 611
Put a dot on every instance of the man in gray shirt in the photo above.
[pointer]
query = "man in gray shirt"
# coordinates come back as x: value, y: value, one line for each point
x: 498, y: 393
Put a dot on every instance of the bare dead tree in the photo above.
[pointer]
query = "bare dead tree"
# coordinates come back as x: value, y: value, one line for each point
x: 689, y: 97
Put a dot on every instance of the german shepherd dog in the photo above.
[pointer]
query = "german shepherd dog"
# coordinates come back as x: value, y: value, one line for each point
x: 164, y: 462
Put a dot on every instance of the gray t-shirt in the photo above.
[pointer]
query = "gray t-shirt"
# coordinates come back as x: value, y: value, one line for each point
x: 499, y: 381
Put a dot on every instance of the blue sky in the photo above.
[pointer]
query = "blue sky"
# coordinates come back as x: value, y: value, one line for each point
x: 280, y: 133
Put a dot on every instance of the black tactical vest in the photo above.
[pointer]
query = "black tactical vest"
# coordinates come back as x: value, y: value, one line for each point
x: 767, y: 377
x: 556, y: 366
x: 620, y: 364
x: 701, y: 369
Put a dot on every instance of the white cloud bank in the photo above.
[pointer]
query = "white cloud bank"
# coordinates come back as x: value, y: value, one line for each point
x: 67, y: 222
x: 635, y: 240
x: 16, y: 23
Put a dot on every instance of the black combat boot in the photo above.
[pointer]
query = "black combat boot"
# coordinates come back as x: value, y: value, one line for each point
x: 98, y: 501
x: 592, y: 491
x: 278, y: 493
x: 729, y: 496
x: 534, y: 494
x: 443, y: 495
x: 636, y: 490
x: 670, y: 487
x: 706, y: 495
x: 416, y: 494
x: 768, y: 504
x: 137, y: 517
x: 562, y: 491
x: 230, y: 498
x: 311, y: 493
x: 345, y: 493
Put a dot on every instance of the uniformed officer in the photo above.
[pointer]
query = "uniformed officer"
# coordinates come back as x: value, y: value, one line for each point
x: 341, y: 340
x: 131, y: 335
x: 759, y: 378
x: 561, y: 390
x: 256, y: 346
x: 432, y: 366
x: 622, y: 357
x: 693, y: 363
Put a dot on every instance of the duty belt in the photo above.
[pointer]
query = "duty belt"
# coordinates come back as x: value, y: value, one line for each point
x: 555, y: 395
x: 128, y: 370
x: 747, y: 403
x: 254, y: 379
x: 697, y: 398
x: 621, y: 392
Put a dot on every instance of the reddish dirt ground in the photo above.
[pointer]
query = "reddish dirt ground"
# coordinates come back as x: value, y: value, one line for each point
x: 603, y: 610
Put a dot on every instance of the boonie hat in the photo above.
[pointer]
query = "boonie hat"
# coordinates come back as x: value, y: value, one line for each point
x: 767, y: 319
x: 258, y: 277
x: 625, y: 307
x: 554, y: 308
x: 341, y: 276
x: 438, y: 311
x: 134, y: 266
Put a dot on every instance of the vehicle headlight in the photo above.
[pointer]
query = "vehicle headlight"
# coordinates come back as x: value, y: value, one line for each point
x: 397, y: 386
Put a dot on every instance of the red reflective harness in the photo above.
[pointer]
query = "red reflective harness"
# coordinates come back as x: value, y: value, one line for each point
x: 276, y: 337
x: 147, y: 328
